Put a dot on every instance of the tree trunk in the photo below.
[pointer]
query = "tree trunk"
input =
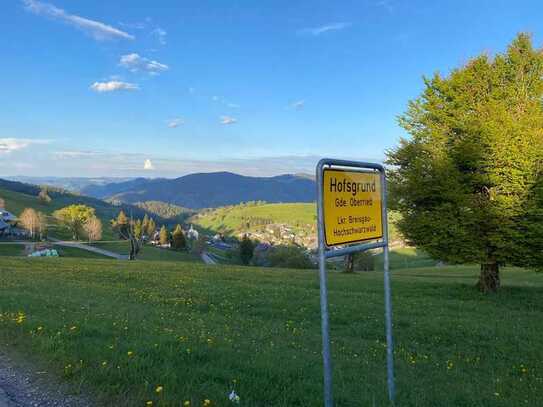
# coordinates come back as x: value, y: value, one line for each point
x: 489, y: 279
x: 349, y: 263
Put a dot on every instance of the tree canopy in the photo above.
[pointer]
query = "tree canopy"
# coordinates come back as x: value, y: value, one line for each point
x: 178, y: 238
x: 246, y: 250
x: 164, y: 236
x: 74, y: 217
x: 469, y: 181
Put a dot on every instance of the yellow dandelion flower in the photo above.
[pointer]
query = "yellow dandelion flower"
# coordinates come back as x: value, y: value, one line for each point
x: 149, y: 403
x: 159, y: 389
x: 207, y: 402
x: 104, y: 363
x: 129, y: 353
x: 186, y: 403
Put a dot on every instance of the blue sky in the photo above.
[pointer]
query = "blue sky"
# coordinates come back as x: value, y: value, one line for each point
x: 164, y: 88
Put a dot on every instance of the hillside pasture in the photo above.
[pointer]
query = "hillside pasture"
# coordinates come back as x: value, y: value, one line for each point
x: 232, y: 219
x: 16, y: 202
x: 123, y: 330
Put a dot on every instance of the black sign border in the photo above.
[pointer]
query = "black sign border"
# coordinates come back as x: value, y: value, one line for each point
x: 324, y: 207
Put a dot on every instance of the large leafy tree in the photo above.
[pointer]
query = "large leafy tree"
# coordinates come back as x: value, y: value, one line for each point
x: 34, y: 222
x: 74, y: 217
x: 469, y: 180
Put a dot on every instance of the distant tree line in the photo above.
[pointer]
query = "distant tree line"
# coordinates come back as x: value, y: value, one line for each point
x: 165, y: 210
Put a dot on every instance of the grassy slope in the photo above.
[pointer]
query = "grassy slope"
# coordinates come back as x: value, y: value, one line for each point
x: 405, y: 257
x: 16, y: 202
x: 11, y: 250
x: 230, y: 219
x: 17, y: 250
x: 149, y: 252
x: 200, y: 331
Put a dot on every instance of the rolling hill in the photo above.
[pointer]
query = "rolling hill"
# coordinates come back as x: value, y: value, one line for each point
x: 231, y: 220
x: 208, y: 190
x: 72, y: 184
x: 19, y: 196
x: 280, y: 223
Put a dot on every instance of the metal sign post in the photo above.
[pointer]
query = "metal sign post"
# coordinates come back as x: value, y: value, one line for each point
x: 351, y: 210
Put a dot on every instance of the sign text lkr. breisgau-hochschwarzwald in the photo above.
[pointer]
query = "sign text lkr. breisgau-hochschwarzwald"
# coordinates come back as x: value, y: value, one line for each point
x: 352, y: 206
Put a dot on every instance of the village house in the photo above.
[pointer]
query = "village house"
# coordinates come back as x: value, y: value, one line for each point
x: 8, y: 221
x: 192, y: 233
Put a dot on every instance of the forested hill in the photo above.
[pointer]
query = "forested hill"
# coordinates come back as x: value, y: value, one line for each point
x: 19, y: 196
x: 209, y: 190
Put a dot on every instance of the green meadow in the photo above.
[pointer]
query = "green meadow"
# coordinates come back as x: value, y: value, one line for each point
x: 148, y: 252
x: 232, y: 219
x: 18, y: 250
x: 16, y: 202
x: 129, y: 333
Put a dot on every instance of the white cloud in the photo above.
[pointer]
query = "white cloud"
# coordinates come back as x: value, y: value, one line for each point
x: 172, y: 124
x: 62, y: 155
x: 215, y: 98
x: 96, y: 29
x: 298, y: 105
x: 8, y: 145
x: 233, y: 105
x: 325, y: 28
x: 148, y: 165
x: 228, y: 120
x: 112, y: 86
x: 135, y: 63
x: 160, y: 35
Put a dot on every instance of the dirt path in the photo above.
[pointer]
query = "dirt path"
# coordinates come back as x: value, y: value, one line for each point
x: 22, y: 386
x: 88, y: 248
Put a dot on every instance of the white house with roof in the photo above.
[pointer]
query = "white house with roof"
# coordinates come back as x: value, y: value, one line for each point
x: 7, y: 222
x: 193, y: 233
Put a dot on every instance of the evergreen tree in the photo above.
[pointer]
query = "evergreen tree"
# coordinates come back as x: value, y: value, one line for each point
x: 246, y: 249
x: 164, y: 236
x: 121, y: 224
x: 138, y: 229
x: 151, y: 228
x: 145, y: 225
x: 469, y: 181
x: 178, y: 238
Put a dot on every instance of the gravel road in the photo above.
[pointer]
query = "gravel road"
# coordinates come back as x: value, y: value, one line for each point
x: 22, y: 386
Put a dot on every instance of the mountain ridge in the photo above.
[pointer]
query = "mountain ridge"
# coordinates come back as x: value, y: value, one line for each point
x: 208, y: 190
